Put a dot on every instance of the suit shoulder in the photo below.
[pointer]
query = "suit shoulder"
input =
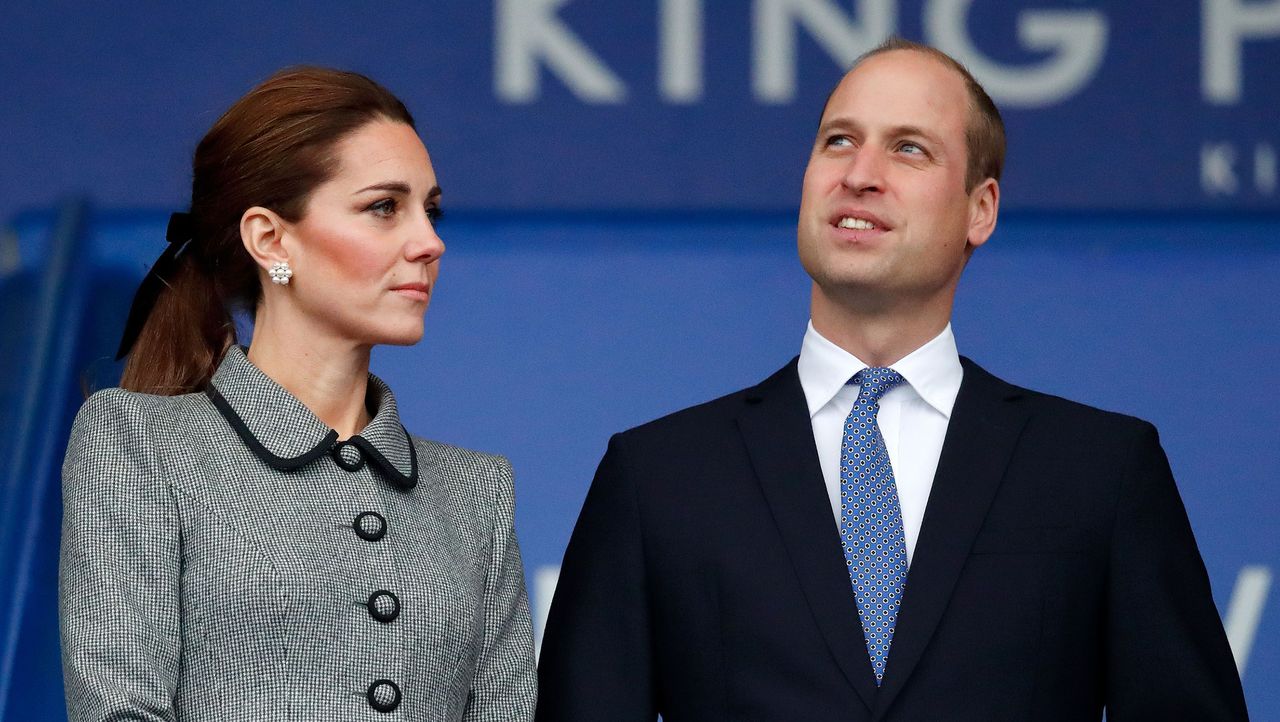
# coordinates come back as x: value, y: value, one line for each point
x: 1069, y: 420
x: 693, y: 419
x: 710, y: 419
x: 118, y: 409
x: 1067, y: 409
x: 115, y: 403
x: 457, y: 456
x: 1046, y: 405
x: 118, y: 443
x: 470, y: 472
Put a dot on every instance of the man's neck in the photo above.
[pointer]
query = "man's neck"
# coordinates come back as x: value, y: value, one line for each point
x: 880, y: 334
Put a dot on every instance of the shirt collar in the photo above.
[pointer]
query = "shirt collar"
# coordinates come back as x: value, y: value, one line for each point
x: 933, y: 371
x: 284, y: 433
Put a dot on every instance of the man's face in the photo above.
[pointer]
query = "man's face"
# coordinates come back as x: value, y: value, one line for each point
x: 884, y: 216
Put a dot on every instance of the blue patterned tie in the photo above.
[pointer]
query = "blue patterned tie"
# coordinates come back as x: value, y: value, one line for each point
x: 875, y: 547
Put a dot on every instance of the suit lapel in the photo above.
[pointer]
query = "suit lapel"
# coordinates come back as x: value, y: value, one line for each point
x: 984, y: 428
x: 779, y: 437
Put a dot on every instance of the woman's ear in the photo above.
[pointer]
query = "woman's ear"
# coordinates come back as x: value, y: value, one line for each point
x: 261, y: 231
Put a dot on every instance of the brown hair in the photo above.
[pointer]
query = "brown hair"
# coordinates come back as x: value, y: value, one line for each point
x: 984, y: 133
x: 272, y: 148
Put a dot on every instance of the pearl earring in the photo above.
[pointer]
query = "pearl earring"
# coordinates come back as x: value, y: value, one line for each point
x: 280, y: 273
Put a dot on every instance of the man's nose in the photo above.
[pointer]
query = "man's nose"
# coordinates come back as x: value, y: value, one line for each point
x: 865, y: 170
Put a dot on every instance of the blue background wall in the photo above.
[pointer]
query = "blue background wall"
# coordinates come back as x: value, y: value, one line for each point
x: 1172, y: 105
x: 610, y: 261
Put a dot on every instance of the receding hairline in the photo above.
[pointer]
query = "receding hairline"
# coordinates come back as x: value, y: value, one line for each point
x: 937, y: 56
x: 983, y: 115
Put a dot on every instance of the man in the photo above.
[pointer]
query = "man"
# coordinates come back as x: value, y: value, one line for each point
x: 996, y: 553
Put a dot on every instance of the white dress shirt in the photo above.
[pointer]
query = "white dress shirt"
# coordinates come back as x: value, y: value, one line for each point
x: 913, y: 416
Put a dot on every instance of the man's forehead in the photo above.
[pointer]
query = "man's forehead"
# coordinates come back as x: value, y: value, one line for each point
x: 908, y: 82
x: 906, y: 71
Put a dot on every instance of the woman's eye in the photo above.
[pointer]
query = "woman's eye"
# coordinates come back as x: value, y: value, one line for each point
x: 384, y: 208
x: 434, y: 214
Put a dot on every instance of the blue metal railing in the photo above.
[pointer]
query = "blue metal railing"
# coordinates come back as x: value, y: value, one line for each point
x: 42, y: 350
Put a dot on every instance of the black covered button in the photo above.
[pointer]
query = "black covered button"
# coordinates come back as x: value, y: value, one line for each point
x: 384, y: 606
x: 384, y: 696
x: 370, y: 526
x: 348, y: 456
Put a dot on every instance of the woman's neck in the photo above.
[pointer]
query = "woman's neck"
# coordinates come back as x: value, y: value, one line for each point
x: 329, y: 376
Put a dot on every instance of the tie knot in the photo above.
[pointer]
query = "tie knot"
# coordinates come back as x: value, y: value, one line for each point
x: 875, y: 381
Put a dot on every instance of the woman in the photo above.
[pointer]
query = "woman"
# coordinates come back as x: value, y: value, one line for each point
x: 252, y: 534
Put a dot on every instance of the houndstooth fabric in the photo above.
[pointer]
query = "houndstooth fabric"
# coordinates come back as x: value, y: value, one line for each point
x: 200, y: 582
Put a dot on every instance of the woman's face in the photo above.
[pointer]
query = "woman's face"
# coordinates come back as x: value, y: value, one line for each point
x: 365, y: 254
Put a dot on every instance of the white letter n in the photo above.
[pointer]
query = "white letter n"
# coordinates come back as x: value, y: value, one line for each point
x: 773, y: 75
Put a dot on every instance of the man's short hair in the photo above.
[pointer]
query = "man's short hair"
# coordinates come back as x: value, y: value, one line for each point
x: 984, y: 132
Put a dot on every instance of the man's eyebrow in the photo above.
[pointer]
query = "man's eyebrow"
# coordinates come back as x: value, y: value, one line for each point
x: 838, y: 123
x: 905, y: 130
x: 897, y: 131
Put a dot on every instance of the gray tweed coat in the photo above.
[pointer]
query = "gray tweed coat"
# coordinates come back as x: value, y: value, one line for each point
x: 225, y: 558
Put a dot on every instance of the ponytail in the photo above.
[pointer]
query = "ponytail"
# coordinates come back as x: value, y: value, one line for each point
x: 184, y: 337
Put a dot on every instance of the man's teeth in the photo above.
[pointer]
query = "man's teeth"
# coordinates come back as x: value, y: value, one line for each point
x: 856, y: 224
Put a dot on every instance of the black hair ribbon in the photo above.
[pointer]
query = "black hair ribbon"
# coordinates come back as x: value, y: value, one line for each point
x: 178, y: 234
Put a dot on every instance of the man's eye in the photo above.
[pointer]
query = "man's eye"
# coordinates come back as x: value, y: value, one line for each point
x: 839, y: 141
x: 384, y: 208
x: 911, y: 148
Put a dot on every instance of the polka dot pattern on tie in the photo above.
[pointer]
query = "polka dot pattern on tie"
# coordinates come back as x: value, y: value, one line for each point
x: 875, y: 547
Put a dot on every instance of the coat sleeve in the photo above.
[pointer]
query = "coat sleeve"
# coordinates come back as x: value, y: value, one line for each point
x: 596, y: 661
x: 505, y: 686
x: 1167, y: 655
x: 118, y: 578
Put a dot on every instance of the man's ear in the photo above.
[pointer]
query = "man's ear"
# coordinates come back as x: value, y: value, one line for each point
x: 261, y: 231
x: 984, y: 207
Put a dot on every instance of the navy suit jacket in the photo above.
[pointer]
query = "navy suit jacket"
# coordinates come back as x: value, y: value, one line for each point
x: 1055, y: 573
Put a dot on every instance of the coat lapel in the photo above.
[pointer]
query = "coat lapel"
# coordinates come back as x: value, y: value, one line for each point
x: 984, y: 428
x: 779, y: 437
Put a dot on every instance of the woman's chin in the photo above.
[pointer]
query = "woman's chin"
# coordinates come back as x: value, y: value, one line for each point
x: 401, y: 337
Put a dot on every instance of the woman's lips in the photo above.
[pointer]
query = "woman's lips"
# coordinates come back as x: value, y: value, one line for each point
x: 413, y: 291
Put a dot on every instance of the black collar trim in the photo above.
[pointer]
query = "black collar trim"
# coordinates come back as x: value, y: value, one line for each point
x: 324, y: 446
x: 278, y: 463
x: 403, y: 481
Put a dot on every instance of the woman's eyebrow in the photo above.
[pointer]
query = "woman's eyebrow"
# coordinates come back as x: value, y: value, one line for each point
x: 389, y: 186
